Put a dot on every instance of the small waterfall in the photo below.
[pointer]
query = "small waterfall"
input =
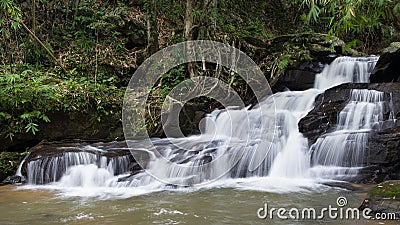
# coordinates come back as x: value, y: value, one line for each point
x: 263, y: 141
x: 19, y: 170
x: 346, y: 70
x: 51, y: 169
x: 345, y: 148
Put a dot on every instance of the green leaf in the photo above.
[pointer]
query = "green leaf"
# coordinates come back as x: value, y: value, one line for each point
x: 46, y: 119
x: 26, y: 116
x: 32, y: 127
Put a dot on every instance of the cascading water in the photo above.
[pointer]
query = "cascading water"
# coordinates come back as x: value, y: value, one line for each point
x: 51, y: 169
x: 343, y: 150
x: 346, y: 70
x: 282, y: 152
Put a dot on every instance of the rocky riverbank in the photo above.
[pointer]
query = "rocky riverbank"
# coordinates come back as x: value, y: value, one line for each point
x: 384, y: 198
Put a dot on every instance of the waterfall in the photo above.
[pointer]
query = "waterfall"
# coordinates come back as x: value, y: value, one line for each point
x: 345, y: 148
x: 263, y: 141
x: 19, y: 169
x: 51, y: 169
x: 346, y: 70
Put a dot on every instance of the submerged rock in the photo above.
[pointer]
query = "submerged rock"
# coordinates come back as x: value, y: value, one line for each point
x: 15, y: 179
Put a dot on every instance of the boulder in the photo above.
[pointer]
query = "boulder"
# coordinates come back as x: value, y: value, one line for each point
x: 388, y: 67
x: 301, y: 77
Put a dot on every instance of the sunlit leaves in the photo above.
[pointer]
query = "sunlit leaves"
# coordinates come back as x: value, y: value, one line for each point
x: 349, y: 16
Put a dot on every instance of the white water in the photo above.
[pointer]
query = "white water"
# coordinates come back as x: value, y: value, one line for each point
x: 345, y: 147
x: 346, y: 70
x: 19, y: 169
x: 258, y: 148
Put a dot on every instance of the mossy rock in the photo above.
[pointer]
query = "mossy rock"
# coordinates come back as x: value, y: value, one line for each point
x: 393, y: 47
x: 388, y: 189
x: 320, y: 50
x: 384, y: 198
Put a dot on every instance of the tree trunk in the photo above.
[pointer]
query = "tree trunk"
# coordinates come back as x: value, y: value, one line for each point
x: 188, y: 32
x: 34, y: 16
x: 188, y: 20
x: 152, y: 28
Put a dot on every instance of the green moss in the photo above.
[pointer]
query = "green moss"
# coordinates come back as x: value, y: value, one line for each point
x: 386, y: 190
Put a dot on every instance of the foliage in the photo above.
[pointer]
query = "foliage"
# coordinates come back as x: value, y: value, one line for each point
x: 26, y: 98
x: 9, y: 161
x: 228, y: 13
x: 11, y: 16
x: 97, y: 41
x: 350, y: 17
x: 283, y: 64
x: 172, y: 78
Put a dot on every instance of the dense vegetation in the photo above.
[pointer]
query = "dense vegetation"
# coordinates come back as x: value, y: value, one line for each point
x: 79, y: 55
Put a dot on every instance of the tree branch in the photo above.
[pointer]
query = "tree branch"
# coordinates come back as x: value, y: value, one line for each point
x: 44, y: 46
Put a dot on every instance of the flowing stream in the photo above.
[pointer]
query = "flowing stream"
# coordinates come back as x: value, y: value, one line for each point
x: 261, y: 143
x: 259, y: 151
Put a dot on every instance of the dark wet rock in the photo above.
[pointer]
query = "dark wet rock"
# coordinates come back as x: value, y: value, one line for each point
x: 131, y: 176
x: 15, y: 179
x: 187, y: 123
x: 301, y: 77
x: 384, y: 198
x: 323, y: 117
x: 84, y: 126
x: 206, y: 159
x: 384, y: 147
x: 49, y: 149
x: 388, y: 67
